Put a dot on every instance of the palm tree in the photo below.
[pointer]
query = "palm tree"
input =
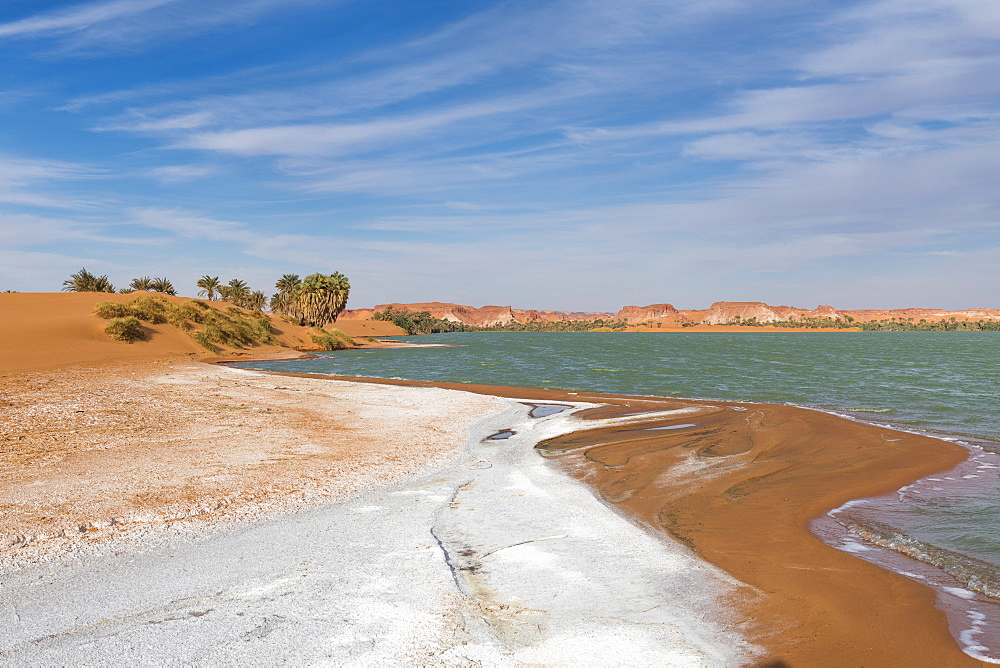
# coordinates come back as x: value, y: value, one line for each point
x: 320, y: 299
x: 256, y: 301
x: 286, y: 285
x: 209, y: 286
x: 343, y: 289
x: 235, y: 292
x: 144, y: 283
x: 84, y: 281
x: 162, y: 285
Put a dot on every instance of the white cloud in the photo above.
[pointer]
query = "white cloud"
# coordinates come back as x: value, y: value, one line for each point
x: 180, y: 173
x: 79, y: 17
x: 192, y: 226
x: 332, y: 139
x: 133, y: 24
x: 28, y: 182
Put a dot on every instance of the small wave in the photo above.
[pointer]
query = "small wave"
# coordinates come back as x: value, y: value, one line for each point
x: 977, y: 624
x: 870, y: 410
x: 979, y: 576
x: 961, y: 593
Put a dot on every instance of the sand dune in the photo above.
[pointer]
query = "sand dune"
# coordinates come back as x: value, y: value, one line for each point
x: 43, y: 330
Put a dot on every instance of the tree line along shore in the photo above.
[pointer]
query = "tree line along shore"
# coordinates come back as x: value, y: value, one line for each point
x: 319, y: 299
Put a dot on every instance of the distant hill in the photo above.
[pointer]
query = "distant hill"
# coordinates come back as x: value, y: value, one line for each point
x: 665, y: 315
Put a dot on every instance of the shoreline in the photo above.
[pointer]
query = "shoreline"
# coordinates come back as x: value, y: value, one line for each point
x: 486, y: 555
x: 797, y: 624
x: 778, y: 624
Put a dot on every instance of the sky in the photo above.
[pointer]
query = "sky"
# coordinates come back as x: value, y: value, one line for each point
x: 553, y: 154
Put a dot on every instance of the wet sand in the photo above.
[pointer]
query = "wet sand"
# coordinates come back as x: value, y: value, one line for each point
x: 739, y: 484
x: 739, y: 487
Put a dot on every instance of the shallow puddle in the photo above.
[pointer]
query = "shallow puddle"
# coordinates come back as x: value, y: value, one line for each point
x: 545, y: 410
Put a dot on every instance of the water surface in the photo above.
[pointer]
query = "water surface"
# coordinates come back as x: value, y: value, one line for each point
x: 942, y: 383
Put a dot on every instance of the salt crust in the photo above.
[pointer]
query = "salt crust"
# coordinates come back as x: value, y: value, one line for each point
x: 486, y: 555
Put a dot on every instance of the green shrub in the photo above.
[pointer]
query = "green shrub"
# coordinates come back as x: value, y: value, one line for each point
x: 150, y: 309
x: 189, y: 312
x: 108, y: 310
x: 263, y: 332
x: 230, y: 332
x: 200, y: 304
x: 203, y: 340
x: 177, y: 320
x: 125, y: 329
x: 343, y: 337
x: 335, y: 340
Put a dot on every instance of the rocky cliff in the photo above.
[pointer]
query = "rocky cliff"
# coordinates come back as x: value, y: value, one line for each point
x: 484, y: 316
x: 720, y: 313
x: 665, y: 313
x: 533, y: 315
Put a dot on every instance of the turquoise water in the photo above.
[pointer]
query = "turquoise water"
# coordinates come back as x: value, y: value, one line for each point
x: 943, y: 383
x: 938, y: 381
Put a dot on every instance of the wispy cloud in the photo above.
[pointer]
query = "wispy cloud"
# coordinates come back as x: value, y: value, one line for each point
x: 28, y: 182
x: 774, y: 147
x: 80, y: 17
x: 100, y: 27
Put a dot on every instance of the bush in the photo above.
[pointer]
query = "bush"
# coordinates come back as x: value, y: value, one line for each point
x: 334, y: 340
x: 108, y: 310
x: 203, y: 340
x: 263, y: 331
x: 149, y: 309
x: 189, y: 312
x: 125, y: 329
x: 177, y: 320
x: 200, y: 304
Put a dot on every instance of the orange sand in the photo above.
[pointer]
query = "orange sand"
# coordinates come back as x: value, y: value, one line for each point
x: 101, y: 439
x: 45, y: 330
x: 740, y: 488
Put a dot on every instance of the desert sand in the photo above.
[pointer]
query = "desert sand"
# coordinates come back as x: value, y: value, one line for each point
x: 175, y: 511
x: 738, y: 484
x: 155, y: 509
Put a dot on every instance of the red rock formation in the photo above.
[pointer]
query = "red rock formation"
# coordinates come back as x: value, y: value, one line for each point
x: 824, y: 312
x: 930, y: 314
x: 634, y: 315
x: 486, y: 316
x: 720, y: 313
x: 557, y: 316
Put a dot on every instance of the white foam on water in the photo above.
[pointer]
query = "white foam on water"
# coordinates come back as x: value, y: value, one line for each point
x: 960, y: 592
x: 977, y: 626
x: 850, y: 504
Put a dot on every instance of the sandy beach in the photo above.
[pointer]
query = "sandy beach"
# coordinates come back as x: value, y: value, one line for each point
x: 208, y: 531
x: 174, y: 512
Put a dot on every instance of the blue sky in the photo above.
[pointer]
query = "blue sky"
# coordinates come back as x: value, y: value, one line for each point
x: 566, y: 154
